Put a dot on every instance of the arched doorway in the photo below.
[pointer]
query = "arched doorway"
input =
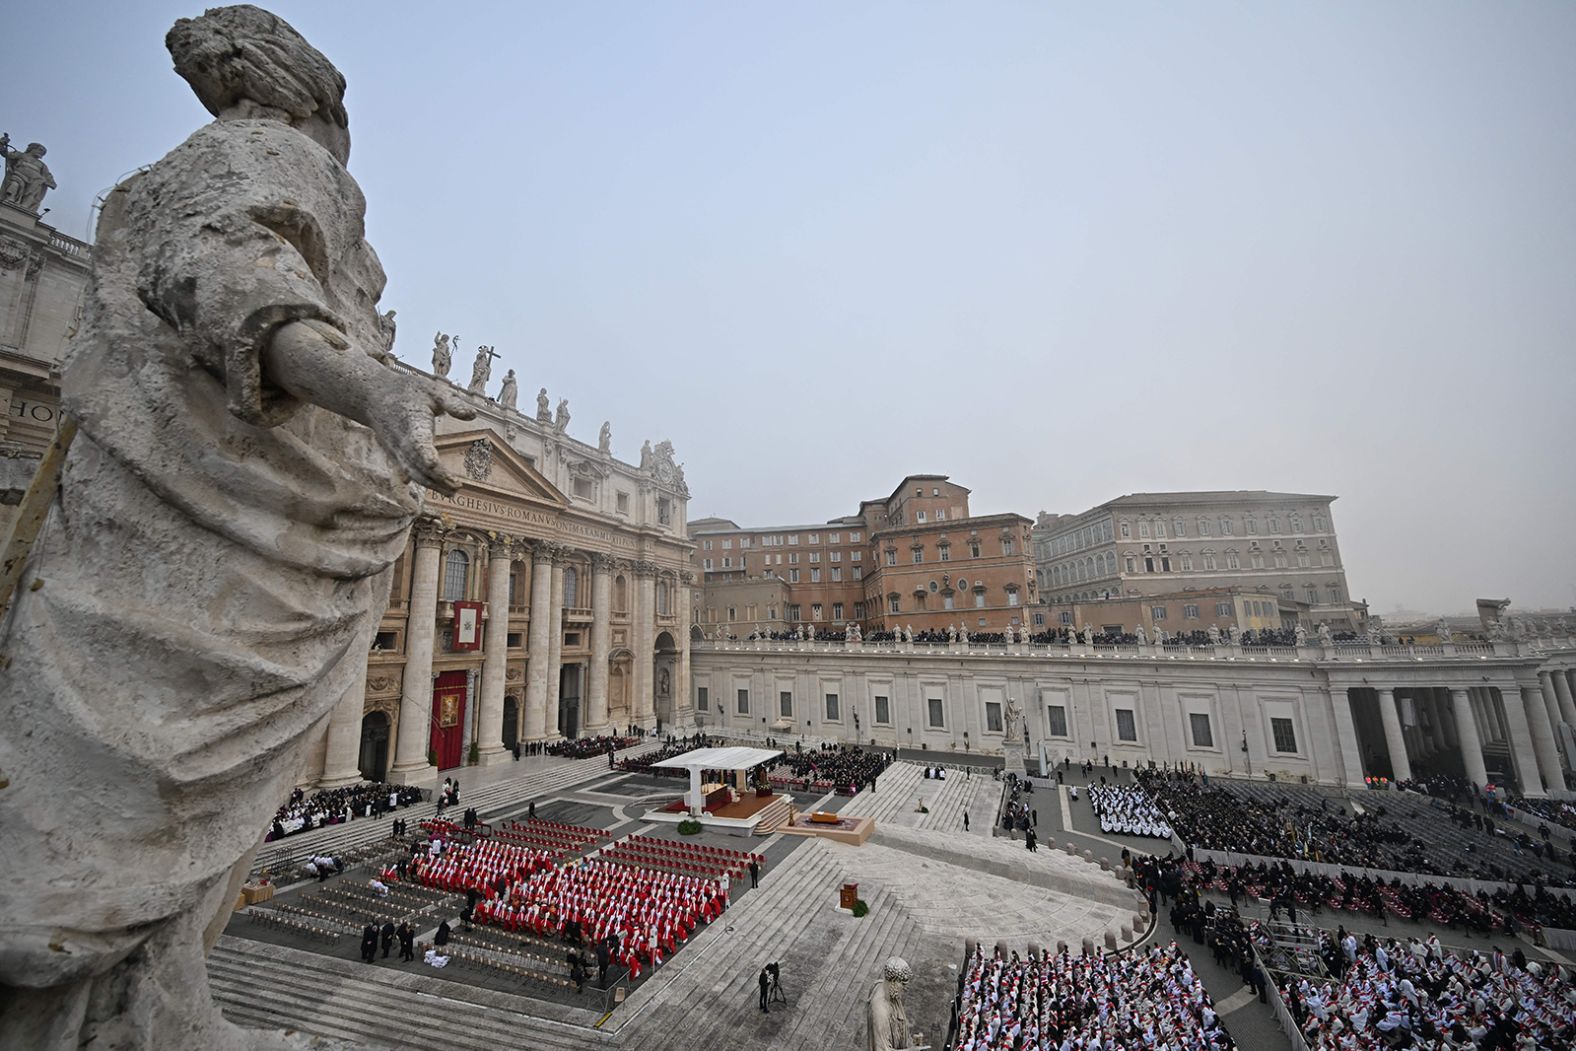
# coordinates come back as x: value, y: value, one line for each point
x: 664, y: 677
x: 569, y: 679
x: 374, y: 761
x: 511, y: 722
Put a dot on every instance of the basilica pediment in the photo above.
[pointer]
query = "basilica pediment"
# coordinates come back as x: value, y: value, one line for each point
x: 482, y: 461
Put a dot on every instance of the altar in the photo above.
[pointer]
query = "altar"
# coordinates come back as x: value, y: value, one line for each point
x: 731, y: 800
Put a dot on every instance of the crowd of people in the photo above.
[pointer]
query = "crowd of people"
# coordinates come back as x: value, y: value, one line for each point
x: 333, y: 806
x: 1388, y: 995
x: 1129, y: 810
x: 831, y: 767
x: 672, y: 746
x: 587, y: 747
x: 1144, y: 998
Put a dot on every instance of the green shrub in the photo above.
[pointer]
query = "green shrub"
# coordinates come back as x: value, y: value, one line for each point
x: 688, y: 827
x: 476, y: 754
x: 860, y: 908
x: 432, y: 757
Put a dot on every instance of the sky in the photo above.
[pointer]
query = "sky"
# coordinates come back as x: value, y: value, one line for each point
x: 1057, y: 252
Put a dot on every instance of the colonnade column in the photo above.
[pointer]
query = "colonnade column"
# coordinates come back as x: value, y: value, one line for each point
x: 542, y: 558
x: 1395, y: 740
x: 1467, y: 734
x: 1543, y: 745
x: 644, y: 637
x: 1447, y: 722
x: 342, y: 756
x: 683, y: 695
x: 555, y: 649
x: 1521, y: 746
x: 601, y: 643
x: 495, y: 651
x: 1346, y: 736
x: 415, y: 701
x: 1562, y: 694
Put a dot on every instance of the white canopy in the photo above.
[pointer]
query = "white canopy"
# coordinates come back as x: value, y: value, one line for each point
x: 720, y: 758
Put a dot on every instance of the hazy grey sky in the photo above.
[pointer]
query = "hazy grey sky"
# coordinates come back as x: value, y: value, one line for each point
x: 1058, y: 252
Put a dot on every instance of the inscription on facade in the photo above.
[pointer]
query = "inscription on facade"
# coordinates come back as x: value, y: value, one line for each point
x: 530, y: 516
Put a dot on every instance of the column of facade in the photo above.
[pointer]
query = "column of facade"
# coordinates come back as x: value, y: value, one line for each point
x: 1346, y: 736
x: 644, y: 637
x: 1562, y: 694
x: 596, y: 721
x: 495, y: 651
x: 1521, y: 746
x: 1395, y: 740
x: 1447, y: 722
x: 415, y: 702
x: 555, y: 649
x: 1543, y: 746
x: 683, y: 694
x: 1467, y: 733
x: 542, y: 557
x: 342, y: 755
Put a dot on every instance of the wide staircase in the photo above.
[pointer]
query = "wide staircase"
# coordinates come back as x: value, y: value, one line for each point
x: 903, y: 788
x: 284, y: 856
x: 775, y: 816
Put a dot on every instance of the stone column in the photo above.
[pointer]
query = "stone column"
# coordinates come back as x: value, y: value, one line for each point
x: 644, y: 639
x: 1543, y: 745
x: 342, y: 756
x: 543, y: 555
x: 555, y: 649
x: 1395, y: 740
x: 683, y: 694
x: 1447, y: 724
x: 495, y: 652
x: 596, y: 721
x: 415, y: 702
x: 1521, y: 746
x: 1562, y: 694
x: 1467, y: 732
x: 1346, y: 737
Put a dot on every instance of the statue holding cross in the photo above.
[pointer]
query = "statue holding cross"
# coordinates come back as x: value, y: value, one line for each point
x: 481, y: 372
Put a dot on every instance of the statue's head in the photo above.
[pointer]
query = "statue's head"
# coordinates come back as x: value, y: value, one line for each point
x: 244, y: 63
x: 36, y: 149
x: 897, y: 970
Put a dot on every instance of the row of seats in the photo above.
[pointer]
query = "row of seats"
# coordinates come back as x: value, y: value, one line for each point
x: 656, y: 863
x: 299, y: 924
x: 741, y: 856
x: 477, y: 962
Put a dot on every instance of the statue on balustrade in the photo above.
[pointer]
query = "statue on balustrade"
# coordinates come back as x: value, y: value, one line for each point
x: 1141, y: 635
x: 481, y: 370
x: 1325, y: 637
x: 1300, y: 635
x: 509, y: 393
x: 442, y: 357
x: 604, y: 438
x: 561, y: 423
x: 886, y: 1013
x: 1214, y: 635
x: 27, y: 177
x: 246, y: 472
x: 544, y: 411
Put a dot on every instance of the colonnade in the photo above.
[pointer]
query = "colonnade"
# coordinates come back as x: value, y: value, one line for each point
x: 544, y: 652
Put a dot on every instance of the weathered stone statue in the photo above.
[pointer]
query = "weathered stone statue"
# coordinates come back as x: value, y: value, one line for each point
x: 1325, y: 637
x: 1300, y: 635
x: 561, y: 422
x: 1214, y: 635
x: 888, y: 1020
x: 1142, y: 635
x: 1014, y: 722
x: 240, y: 486
x: 27, y: 177
x: 1088, y: 635
x: 544, y: 412
x: 645, y: 455
x: 481, y: 370
x: 442, y: 358
x: 604, y: 438
x: 509, y: 393
x: 1442, y: 630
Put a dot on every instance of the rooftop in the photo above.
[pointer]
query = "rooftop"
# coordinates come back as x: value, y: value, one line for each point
x: 733, y: 758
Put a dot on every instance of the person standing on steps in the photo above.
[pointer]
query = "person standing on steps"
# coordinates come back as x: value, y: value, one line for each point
x: 407, y: 942
x: 765, y: 984
x: 965, y: 821
x: 755, y: 873
x: 369, y: 943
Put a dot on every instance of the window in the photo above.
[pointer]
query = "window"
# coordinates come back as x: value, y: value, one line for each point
x: 727, y: 545
x: 947, y: 601
x: 793, y: 559
x: 1209, y: 559
x: 883, y: 711
x: 1319, y: 523
x: 1223, y: 609
x: 1126, y: 531
x: 727, y: 562
x: 853, y: 538
x: 859, y: 573
x: 1178, y: 527
x: 944, y: 552
x: 1187, y: 563
x: 1007, y: 546
x: 1157, y: 613
x: 1160, y: 529
x: 993, y: 717
x: 744, y: 702
x: 664, y: 511
x: 1189, y: 612
x: 1302, y: 560
x: 744, y: 542
x: 1012, y: 596
x: 1256, y: 559
x: 1327, y: 558
x: 891, y: 556
x: 771, y: 612
x: 979, y: 599
x: 935, y: 713
x: 1285, y: 735
x: 1143, y: 528
x: 892, y: 604
x: 733, y: 614
x: 1203, y: 736
x: 1231, y: 559
x: 793, y: 576
x: 836, y: 556
x: 815, y: 575
x: 705, y: 545
x: 974, y: 549
x: 859, y: 611
x: 1225, y: 526
x: 1066, y: 617
x: 834, y: 538
x: 785, y: 704
x: 856, y: 556
x: 837, y: 611
x: 1039, y: 620
x: 832, y: 715
x: 1280, y: 560
x: 456, y: 568
x: 1203, y: 526
x: 815, y: 611
x: 813, y: 538
x: 622, y: 503
x: 941, y: 514
x: 815, y: 557
x: 1127, y: 560
x: 919, y: 555
x: 1056, y: 718
x: 793, y: 541
x: 837, y: 573
x: 1126, y: 726
x: 793, y: 613
x: 919, y: 516
x: 1312, y: 593
x: 1335, y: 595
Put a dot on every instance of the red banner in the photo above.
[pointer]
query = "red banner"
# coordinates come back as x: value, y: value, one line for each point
x: 467, y: 626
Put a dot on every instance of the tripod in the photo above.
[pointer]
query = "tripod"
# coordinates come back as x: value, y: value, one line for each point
x: 774, y: 994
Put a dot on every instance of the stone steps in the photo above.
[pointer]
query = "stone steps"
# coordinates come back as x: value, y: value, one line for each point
x: 955, y: 795
x: 896, y: 789
x: 386, y: 1008
x: 774, y: 817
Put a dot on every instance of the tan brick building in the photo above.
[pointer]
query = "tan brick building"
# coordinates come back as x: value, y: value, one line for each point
x: 915, y: 558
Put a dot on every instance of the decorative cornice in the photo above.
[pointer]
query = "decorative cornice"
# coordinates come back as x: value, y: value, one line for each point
x: 646, y: 569
x: 429, y: 531
x: 500, y: 545
x: 602, y: 563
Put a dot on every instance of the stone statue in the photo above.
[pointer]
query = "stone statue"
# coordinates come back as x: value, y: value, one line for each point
x: 1496, y: 630
x: 963, y: 634
x: 387, y: 326
x: 888, y: 1020
x: 27, y: 177
x: 809, y: 633
x: 246, y: 472
x: 1142, y: 635
x: 442, y: 358
x: 544, y: 412
x: 1161, y: 637
x: 1325, y: 637
x: 561, y: 423
x: 1214, y: 635
x: 1010, y: 635
x: 481, y: 370
x: 1443, y: 631
x: 509, y: 393
x: 1014, y: 719
x: 1300, y: 634
x: 645, y: 455
x: 604, y: 438
x: 854, y: 633
x: 1088, y: 634
x: 908, y: 633
x: 952, y: 633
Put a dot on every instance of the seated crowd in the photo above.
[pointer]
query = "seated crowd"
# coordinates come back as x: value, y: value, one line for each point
x: 332, y: 806
x: 838, y: 768
x: 1144, y: 998
x: 587, y: 747
x: 1418, y: 995
x: 1129, y: 810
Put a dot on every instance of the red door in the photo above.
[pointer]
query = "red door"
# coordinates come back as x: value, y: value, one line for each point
x: 448, y: 719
